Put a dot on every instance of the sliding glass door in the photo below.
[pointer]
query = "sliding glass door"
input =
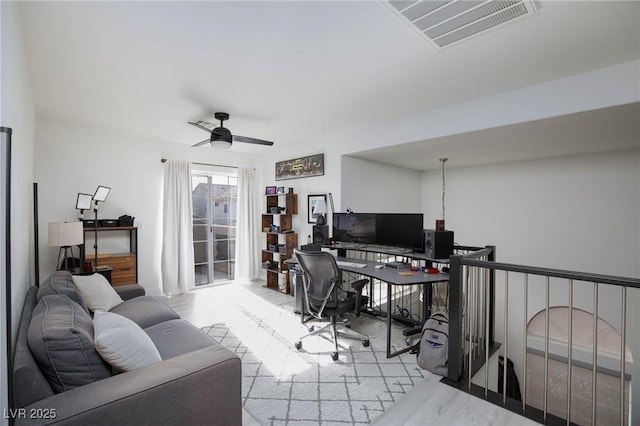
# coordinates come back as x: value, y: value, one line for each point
x: 215, y: 198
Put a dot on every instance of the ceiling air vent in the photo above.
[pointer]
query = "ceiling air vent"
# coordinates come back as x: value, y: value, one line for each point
x: 447, y: 22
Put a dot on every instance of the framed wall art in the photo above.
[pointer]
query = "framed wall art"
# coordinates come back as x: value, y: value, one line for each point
x: 312, y: 200
x: 312, y: 165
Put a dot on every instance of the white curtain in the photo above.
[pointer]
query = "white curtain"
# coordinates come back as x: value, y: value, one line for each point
x: 177, y: 229
x: 247, y: 246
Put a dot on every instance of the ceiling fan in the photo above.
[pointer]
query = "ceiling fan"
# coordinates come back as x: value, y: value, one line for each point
x: 221, y: 137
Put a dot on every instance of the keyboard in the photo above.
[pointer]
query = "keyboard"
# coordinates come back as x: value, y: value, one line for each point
x: 351, y: 264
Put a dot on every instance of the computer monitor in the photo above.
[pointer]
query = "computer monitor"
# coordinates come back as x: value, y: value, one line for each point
x: 354, y: 227
x: 400, y: 230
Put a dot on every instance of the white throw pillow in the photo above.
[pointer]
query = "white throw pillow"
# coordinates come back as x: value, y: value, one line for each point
x: 97, y: 292
x: 122, y: 343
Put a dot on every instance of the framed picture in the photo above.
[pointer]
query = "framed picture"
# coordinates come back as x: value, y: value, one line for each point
x: 312, y: 165
x: 312, y: 200
x: 270, y: 190
x: 280, y: 190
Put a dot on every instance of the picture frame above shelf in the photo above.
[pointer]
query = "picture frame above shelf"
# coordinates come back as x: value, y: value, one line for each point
x: 312, y: 165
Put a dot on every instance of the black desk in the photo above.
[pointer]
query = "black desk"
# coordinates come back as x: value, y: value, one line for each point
x: 373, y: 248
x: 393, y: 278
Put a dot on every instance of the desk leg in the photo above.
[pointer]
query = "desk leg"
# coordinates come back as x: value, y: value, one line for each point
x: 371, y: 295
x: 426, y: 301
x: 388, y: 320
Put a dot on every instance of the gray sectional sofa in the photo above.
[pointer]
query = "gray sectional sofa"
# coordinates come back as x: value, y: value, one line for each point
x: 59, y: 378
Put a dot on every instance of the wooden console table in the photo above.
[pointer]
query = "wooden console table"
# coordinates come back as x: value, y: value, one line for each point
x: 125, y: 265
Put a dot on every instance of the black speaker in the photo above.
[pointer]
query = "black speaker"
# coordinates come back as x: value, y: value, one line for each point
x: 320, y: 234
x: 438, y: 244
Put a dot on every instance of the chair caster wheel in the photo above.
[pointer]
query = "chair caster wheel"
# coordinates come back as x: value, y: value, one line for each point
x: 311, y: 328
x: 334, y: 356
x: 365, y: 343
x: 408, y: 341
x: 298, y: 345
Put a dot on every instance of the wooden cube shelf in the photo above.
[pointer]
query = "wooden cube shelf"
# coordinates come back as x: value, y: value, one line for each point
x: 279, y: 245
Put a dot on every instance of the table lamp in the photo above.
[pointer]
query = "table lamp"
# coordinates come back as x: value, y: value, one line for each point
x: 65, y: 235
x: 320, y: 209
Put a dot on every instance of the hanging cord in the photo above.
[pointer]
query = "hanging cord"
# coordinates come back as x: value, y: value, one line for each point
x: 442, y: 161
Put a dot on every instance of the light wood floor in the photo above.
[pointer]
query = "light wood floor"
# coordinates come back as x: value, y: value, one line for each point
x: 429, y: 403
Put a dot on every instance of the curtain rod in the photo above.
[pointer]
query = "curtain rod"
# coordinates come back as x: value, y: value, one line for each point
x: 164, y: 160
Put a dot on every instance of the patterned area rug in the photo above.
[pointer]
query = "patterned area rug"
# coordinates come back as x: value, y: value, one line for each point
x: 283, y: 386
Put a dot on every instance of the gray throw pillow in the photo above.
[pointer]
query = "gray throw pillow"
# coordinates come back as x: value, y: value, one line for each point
x: 61, y: 282
x: 61, y: 339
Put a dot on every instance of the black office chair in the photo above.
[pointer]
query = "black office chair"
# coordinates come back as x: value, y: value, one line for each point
x: 324, y: 298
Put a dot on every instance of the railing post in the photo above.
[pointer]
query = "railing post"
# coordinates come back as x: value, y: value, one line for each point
x: 492, y: 295
x: 456, y: 338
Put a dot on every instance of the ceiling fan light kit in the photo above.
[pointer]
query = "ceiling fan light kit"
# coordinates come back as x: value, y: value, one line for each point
x: 220, y: 144
x: 221, y: 137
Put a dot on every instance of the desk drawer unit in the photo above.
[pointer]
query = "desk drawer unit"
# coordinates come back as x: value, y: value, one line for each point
x: 123, y: 264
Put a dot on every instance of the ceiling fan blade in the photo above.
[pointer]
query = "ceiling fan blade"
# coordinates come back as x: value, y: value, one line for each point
x: 203, y: 125
x: 237, y: 138
x: 201, y: 143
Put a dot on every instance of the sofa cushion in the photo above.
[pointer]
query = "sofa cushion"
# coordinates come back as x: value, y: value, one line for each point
x: 29, y: 384
x: 122, y: 343
x: 145, y: 311
x: 61, y: 339
x: 177, y: 337
x: 61, y: 282
x: 97, y: 292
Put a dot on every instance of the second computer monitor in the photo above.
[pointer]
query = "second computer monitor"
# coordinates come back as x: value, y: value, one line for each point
x: 400, y: 230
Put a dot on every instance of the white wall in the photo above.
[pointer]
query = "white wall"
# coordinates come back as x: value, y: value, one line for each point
x: 72, y: 159
x: 17, y: 112
x: 367, y: 186
x: 579, y: 212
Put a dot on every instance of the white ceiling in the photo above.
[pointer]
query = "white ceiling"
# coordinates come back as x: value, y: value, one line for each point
x: 292, y: 71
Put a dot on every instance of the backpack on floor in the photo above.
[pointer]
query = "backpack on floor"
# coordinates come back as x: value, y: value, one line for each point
x: 434, y: 344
